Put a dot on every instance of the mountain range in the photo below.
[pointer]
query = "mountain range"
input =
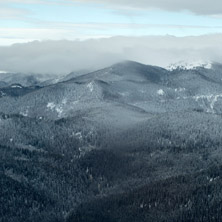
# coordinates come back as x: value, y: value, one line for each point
x: 130, y: 142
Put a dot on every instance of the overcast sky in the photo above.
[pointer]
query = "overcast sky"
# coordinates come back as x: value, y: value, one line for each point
x: 153, y: 32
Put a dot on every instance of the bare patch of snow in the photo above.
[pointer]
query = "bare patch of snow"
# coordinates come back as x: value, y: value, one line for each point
x: 183, y: 65
x: 51, y: 105
x: 90, y: 86
x: 16, y: 86
x: 79, y: 135
x: 212, y: 99
x: 180, y: 89
x: 160, y: 92
x: 25, y: 113
x: 58, y: 108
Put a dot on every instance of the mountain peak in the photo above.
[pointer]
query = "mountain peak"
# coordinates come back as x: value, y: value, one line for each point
x: 127, y: 63
x: 184, y: 65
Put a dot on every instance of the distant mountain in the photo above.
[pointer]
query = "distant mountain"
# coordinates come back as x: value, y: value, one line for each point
x: 20, y: 78
x: 28, y: 80
x: 150, y: 89
x: 52, y: 79
x: 16, y: 90
x: 129, y: 142
x: 189, y: 65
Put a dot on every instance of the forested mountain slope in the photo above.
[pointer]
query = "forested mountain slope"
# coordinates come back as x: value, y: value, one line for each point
x: 130, y: 142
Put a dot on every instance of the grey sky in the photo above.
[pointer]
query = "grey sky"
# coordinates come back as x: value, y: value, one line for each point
x: 207, y: 7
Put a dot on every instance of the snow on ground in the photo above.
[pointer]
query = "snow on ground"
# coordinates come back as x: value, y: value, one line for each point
x: 58, y: 108
x: 90, y: 86
x: 51, y: 105
x: 180, y: 89
x: 160, y: 92
x: 212, y: 99
x: 25, y: 113
x: 78, y: 135
x: 16, y: 86
x: 189, y: 65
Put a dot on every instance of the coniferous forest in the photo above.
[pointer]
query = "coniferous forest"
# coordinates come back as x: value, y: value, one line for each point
x: 130, y: 142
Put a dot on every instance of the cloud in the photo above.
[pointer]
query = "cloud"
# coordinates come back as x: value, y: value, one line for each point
x: 66, y: 56
x: 57, y: 31
x: 200, y: 7
x: 72, y: 31
x: 7, y: 12
x: 206, y: 7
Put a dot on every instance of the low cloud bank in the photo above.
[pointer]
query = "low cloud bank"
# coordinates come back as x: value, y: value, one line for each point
x: 62, y: 57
